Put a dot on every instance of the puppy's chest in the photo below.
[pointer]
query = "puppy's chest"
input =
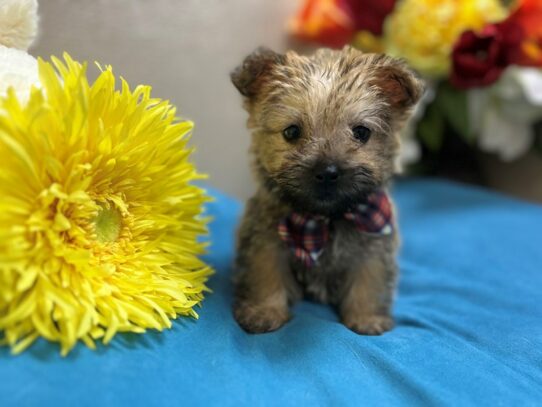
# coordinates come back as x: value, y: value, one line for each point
x: 325, y: 279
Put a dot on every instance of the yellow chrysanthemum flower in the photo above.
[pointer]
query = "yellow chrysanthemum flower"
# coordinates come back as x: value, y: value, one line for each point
x: 424, y: 31
x: 98, y: 221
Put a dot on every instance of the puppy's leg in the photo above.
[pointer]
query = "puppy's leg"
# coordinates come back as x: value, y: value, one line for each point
x: 366, y: 306
x: 262, y: 289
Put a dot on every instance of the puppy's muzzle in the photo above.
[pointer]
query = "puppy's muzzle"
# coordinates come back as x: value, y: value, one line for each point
x: 326, y: 175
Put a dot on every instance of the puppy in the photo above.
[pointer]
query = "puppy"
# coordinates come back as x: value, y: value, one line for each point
x: 321, y: 224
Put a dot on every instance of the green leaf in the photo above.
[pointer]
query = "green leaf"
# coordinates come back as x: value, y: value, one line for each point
x: 453, y: 104
x: 431, y: 128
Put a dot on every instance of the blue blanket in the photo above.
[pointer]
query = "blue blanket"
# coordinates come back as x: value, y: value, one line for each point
x: 468, y: 312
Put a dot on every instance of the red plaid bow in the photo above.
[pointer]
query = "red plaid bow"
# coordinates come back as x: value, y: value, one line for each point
x: 307, y: 235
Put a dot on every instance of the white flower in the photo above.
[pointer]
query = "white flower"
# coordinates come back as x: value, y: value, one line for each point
x: 18, y: 70
x: 18, y: 23
x: 410, y: 151
x: 503, y: 115
x: 18, y: 26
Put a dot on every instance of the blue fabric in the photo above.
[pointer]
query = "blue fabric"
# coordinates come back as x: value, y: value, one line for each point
x: 469, y: 328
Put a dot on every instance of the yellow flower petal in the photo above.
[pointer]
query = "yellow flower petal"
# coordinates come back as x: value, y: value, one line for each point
x: 99, y: 223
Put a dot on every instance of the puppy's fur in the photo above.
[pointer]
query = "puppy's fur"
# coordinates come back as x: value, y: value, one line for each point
x: 326, y: 95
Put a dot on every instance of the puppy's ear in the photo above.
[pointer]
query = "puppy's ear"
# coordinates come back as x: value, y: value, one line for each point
x: 249, y: 77
x: 399, y: 84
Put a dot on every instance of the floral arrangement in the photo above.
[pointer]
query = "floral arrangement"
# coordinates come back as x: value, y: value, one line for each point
x: 482, y: 61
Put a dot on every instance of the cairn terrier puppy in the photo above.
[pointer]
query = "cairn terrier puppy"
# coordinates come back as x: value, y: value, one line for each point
x: 321, y: 225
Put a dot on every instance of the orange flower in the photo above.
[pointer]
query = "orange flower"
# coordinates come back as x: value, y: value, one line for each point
x: 328, y: 22
x: 335, y: 22
x: 527, y: 18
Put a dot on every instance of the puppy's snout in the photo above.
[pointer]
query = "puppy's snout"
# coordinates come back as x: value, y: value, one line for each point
x: 326, y: 174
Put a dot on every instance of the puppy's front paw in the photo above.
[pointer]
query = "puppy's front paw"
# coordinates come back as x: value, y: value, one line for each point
x: 260, y: 318
x: 368, y: 324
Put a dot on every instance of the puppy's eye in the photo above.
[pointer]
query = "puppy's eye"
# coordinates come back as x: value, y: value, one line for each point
x: 362, y: 134
x: 291, y: 133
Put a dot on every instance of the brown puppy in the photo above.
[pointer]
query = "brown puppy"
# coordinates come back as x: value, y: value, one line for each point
x: 324, y: 140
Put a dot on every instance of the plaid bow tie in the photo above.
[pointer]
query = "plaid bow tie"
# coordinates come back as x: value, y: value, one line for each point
x: 306, y: 235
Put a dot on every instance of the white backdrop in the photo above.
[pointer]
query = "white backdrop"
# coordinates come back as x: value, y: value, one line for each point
x: 185, y: 49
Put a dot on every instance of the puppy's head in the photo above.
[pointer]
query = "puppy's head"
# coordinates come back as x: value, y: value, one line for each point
x: 325, y: 127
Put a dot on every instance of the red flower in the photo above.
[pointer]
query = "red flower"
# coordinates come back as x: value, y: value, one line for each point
x: 478, y: 59
x: 369, y: 15
x: 335, y: 22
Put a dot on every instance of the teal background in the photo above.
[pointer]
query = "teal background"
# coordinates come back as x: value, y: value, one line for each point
x: 468, y: 312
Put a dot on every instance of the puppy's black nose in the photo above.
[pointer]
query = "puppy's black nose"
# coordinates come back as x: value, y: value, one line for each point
x: 328, y: 174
